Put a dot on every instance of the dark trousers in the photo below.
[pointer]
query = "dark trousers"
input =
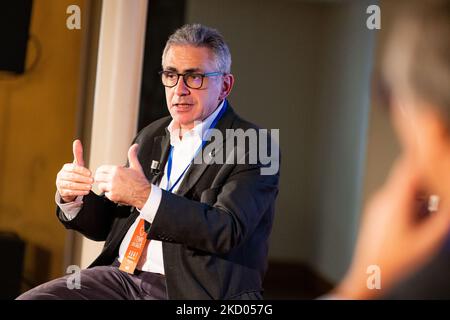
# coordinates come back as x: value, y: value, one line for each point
x: 102, y: 283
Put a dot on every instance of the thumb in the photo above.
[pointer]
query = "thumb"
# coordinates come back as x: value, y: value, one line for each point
x: 132, y: 157
x: 78, y: 153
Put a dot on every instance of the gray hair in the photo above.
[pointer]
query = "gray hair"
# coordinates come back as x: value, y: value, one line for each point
x: 198, y: 35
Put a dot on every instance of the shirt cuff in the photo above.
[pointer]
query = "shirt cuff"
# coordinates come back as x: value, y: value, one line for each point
x: 69, y: 209
x: 150, y: 208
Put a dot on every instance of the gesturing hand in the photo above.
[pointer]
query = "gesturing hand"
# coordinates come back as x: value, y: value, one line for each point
x: 74, y: 179
x: 124, y: 185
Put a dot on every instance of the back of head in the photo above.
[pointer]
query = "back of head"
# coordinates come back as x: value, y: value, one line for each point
x: 417, y: 63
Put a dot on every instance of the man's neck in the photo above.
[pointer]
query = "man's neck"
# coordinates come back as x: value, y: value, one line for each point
x: 183, y: 129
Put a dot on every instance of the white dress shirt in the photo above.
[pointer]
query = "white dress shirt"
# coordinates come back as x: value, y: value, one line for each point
x: 183, y: 153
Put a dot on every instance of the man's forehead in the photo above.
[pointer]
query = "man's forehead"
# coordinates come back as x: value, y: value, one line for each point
x: 188, y: 59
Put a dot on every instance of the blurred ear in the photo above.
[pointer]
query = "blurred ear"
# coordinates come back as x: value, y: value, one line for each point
x: 405, y: 124
x: 227, y: 85
x: 433, y: 127
x: 433, y: 148
x: 423, y: 133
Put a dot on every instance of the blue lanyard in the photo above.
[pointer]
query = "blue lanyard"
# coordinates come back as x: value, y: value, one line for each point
x: 169, y: 161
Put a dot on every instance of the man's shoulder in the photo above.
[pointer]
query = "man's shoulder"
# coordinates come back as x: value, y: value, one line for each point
x: 241, y: 123
x: 244, y: 124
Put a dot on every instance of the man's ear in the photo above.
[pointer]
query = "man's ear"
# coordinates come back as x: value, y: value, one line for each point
x: 227, y: 85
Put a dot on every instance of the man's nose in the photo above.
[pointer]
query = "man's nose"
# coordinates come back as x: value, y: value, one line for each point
x: 181, y: 89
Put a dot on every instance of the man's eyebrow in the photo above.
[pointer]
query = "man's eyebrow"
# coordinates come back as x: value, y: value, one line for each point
x: 192, y: 70
x: 185, y: 71
x: 170, y: 69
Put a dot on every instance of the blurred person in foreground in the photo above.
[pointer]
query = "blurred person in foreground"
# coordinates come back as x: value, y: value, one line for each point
x: 410, y: 248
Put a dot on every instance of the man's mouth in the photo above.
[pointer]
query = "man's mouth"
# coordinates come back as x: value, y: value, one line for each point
x: 182, y: 106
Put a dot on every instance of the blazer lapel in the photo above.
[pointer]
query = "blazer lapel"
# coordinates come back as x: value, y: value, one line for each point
x: 159, y: 153
x: 195, y: 171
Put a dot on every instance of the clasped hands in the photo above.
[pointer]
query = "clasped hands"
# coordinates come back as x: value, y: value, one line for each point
x: 124, y: 185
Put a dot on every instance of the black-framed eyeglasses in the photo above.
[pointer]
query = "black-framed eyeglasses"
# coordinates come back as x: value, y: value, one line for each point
x: 191, y: 79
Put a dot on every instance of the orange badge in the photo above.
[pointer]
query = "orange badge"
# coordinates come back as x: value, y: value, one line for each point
x: 135, y: 248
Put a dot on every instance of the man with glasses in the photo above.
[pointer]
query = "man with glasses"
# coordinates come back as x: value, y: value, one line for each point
x: 173, y: 227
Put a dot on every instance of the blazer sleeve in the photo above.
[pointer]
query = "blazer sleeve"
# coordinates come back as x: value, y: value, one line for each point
x: 94, y: 219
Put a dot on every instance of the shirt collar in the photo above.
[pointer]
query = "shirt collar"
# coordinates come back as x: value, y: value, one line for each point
x: 198, y: 131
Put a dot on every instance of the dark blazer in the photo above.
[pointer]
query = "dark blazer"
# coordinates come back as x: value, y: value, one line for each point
x: 215, y: 229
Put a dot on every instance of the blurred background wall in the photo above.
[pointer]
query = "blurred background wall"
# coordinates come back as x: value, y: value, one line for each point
x: 38, y: 116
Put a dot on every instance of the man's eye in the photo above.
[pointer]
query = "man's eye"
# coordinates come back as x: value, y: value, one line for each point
x: 195, y: 77
x: 171, y: 75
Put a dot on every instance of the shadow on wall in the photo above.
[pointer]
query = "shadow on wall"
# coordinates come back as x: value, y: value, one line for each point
x: 12, y: 279
x: 12, y: 249
x: 40, y: 266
